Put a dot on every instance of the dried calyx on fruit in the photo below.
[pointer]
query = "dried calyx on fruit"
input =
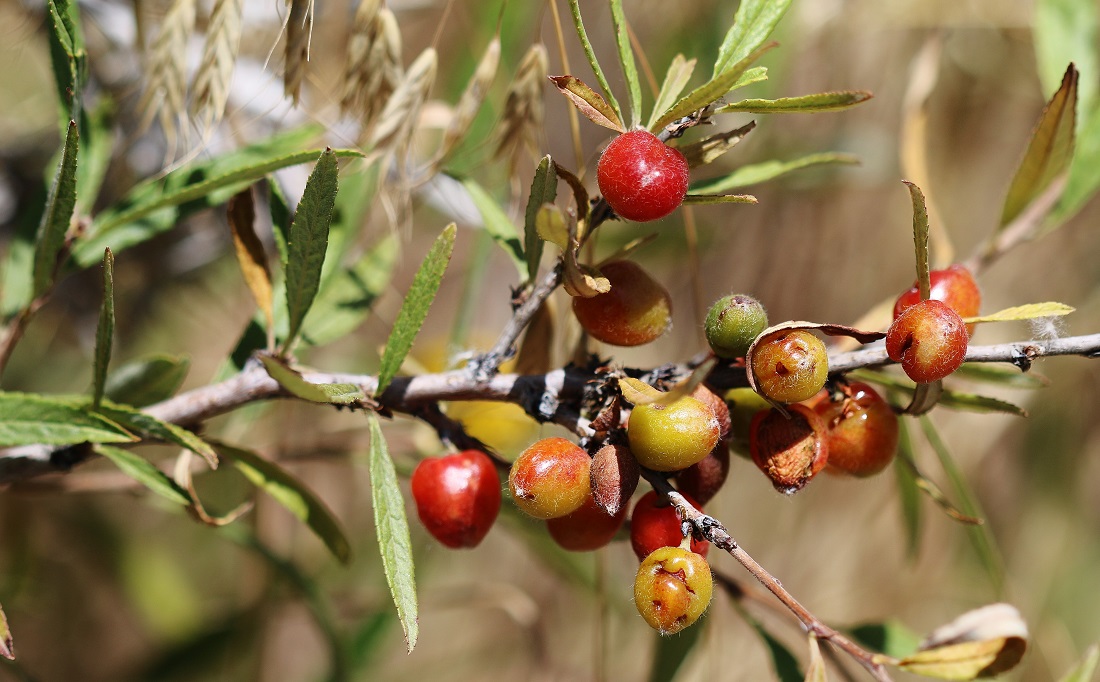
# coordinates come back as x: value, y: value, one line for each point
x: 641, y: 177
x: 635, y: 311
x: 457, y: 497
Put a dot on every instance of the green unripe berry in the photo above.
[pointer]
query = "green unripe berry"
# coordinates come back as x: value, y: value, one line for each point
x: 674, y: 436
x: 733, y: 322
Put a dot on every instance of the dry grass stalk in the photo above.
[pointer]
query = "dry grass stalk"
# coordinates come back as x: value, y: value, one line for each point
x: 166, y: 82
x: 210, y: 89
x: 374, y: 67
x: 398, y: 119
x: 299, y: 28
x: 470, y: 102
x: 524, y: 109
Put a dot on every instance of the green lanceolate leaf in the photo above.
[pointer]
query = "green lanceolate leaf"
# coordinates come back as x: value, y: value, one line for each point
x: 1011, y: 378
x: 58, y: 215
x: 415, y: 308
x: 920, y: 238
x: 329, y: 394
x: 1084, y: 671
x: 497, y: 224
x: 392, y: 527
x: 544, y: 190
x: 146, y: 473
x: 711, y: 91
x: 676, y: 79
x: 953, y: 399
x: 345, y: 300
x: 769, y: 170
x: 754, y: 22
x: 105, y: 331
x: 67, y: 58
x: 1028, y: 311
x: 582, y: 35
x: 1048, y: 153
x: 28, y: 419
x: 626, y: 60
x: 7, y: 646
x: 147, y: 380
x: 148, y: 426
x: 291, y: 493
x: 908, y: 493
x: 589, y: 102
x: 824, y: 101
x: 308, y: 241
x: 671, y: 652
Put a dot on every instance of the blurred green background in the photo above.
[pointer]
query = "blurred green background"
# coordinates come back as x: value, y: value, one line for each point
x: 101, y: 582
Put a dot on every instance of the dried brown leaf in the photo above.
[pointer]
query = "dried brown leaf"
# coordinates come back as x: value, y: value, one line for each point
x: 250, y: 253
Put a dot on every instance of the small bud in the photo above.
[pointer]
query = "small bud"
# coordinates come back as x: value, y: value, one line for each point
x: 614, y: 477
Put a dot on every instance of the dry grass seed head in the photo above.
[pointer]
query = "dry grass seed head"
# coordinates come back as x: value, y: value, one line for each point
x: 472, y: 98
x: 369, y: 86
x: 357, y: 69
x: 299, y: 28
x: 523, y: 110
x: 210, y: 89
x: 397, y: 122
x: 165, y: 81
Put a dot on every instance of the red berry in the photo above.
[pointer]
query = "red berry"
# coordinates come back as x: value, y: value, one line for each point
x: 790, y: 450
x: 637, y: 310
x: 929, y: 340
x: 955, y: 286
x: 551, y: 478
x: 641, y: 177
x: 861, y: 430
x: 457, y: 497
x: 655, y: 523
x: 586, y: 529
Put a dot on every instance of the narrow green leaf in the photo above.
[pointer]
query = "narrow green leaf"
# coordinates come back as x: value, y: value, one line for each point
x: 1068, y: 32
x: 920, y: 239
x: 1028, y: 311
x: 58, y: 215
x: 671, y: 651
x: 992, y: 374
x: 953, y: 399
x: 582, y: 35
x: 392, y: 527
x: 497, y: 224
x: 676, y: 79
x: 824, y: 101
x: 1049, y: 152
x: 105, y: 331
x: 891, y: 637
x: 67, y: 58
x: 719, y: 199
x: 28, y: 419
x: 1084, y: 671
x: 292, y: 494
x: 626, y: 60
x: 754, y: 22
x: 329, y: 394
x: 589, y: 102
x: 544, y: 190
x: 146, y: 473
x: 756, y: 173
x: 7, y: 646
x: 308, y: 241
x: 346, y: 300
x: 1084, y: 172
x: 909, y: 495
x: 980, y: 535
x: 147, y: 380
x: 415, y: 308
x: 711, y: 91
x: 148, y: 426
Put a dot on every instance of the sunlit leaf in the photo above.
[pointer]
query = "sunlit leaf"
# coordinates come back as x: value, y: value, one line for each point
x: 308, y: 241
x: 149, y: 427
x: 920, y: 239
x: 58, y: 215
x: 754, y: 22
x: 544, y: 190
x: 769, y: 170
x: 711, y: 91
x: 146, y: 473
x: 292, y: 494
x: 392, y: 527
x: 250, y: 252
x: 497, y: 224
x: 1049, y: 151
x: 28, y: 419
x: 588, y: 102
x: 1084, y: 671
x: 626, y: 60
x: 105, y: 330
x: 1027, y: 311
x: 824, y: 101
x: 984, y: 642
x: 147, y: 380
x: 68, y: 58
x: 676, y: 79
x: 1068, y: 32
x: 582, y: 35
x: 291, y: 380
x: 415, y: 307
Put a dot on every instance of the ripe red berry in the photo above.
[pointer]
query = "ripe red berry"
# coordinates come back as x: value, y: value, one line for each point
x: 672, y: 589
x: 790, y: 366
x: 655, y: 523
x: 637, y: 310
x: 457, y: 497
x: 861, y: 431
x: 790, y: 450
x: 586, y: 529
x: 929, y: 340
x: 955, y: 286
x: 551, y: 478
x: 641, y: 177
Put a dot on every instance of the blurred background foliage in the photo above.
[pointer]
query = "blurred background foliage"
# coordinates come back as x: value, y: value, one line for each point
x: 102, y: 582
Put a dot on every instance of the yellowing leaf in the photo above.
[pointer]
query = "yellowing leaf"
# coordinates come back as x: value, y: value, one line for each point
x: 250, y: 253
x: 588, y: 102
x: 638, y: 392
x: 966, y: 661
x: 1027, y: 311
